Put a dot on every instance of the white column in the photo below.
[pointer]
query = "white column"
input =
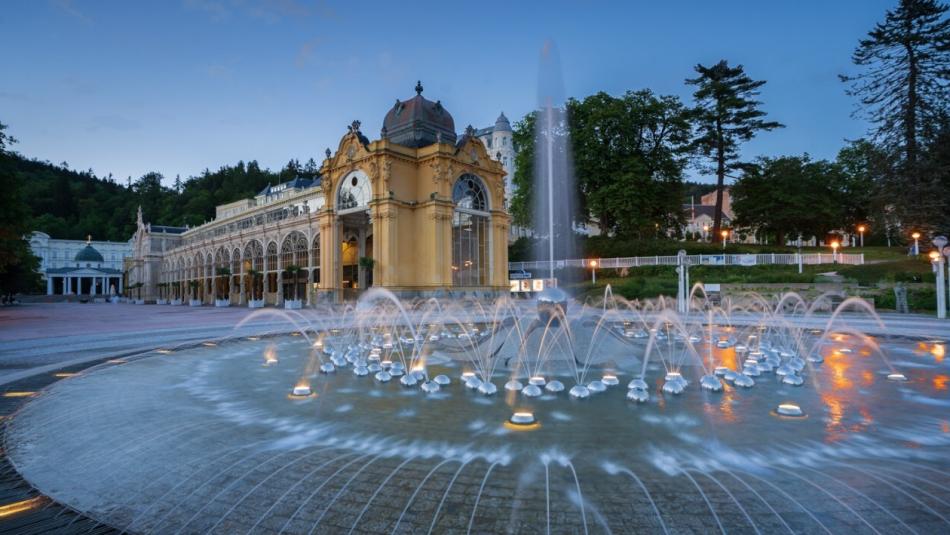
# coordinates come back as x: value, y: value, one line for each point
x: 67, y: 285
x: 119, y: 290
x: 49, y: 285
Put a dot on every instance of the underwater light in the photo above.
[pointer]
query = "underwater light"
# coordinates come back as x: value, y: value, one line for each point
x: 301, y: 391
x: 522, y: 418
x: 790, y: 409
x: 896, y: 377
x: 610, y: 379
x: 536, y: 380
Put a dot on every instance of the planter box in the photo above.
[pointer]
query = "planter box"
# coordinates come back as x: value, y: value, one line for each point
x: 175, y: 302
x: 221, y: 303
x: 293, y: 304
x: 194, y: 302
x: 255, y: 303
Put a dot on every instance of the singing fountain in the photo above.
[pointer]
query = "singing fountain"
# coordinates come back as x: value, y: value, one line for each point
x: 757, y: 414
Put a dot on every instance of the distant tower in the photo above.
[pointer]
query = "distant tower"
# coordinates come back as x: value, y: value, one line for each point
x: 498, y: 141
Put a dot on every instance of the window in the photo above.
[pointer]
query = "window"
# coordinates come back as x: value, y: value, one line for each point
x: 470, y: 227
x: 355, y: 192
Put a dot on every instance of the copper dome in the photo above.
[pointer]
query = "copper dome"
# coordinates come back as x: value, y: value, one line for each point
x: 419, y: 122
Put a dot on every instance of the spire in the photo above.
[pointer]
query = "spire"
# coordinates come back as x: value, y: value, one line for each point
x: 88, y: 239
x: 418, y: 87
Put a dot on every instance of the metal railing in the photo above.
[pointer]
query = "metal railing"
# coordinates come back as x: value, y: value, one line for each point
x: 697, y: 260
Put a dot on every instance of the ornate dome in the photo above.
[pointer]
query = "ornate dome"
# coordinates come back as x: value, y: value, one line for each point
x: 419, y: 122
x: 88, y: 254
x: 502, y: 124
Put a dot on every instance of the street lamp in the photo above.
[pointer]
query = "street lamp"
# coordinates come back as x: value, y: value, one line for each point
x: 916, y: 236
x: 593, y: 271
x: 834, y: 251
x: 936, y: 257
x: 861, y: 229
x: 725, y: 236
x: 705, y: 232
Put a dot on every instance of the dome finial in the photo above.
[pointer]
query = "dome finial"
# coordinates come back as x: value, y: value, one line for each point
x: 418, y: 87
x: 88, y: 239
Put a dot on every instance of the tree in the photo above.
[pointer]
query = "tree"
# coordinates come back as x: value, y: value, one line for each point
x: 902, y: 90
x: 629, y: 155
x: 725, y: 116
x: 628, y: 152
x: 18, y: 265
x: 789, y: 195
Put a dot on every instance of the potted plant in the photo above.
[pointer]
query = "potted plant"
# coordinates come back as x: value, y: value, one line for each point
x: 255, y: 299
x: 194, y: 301
x: 175, y: 298
x: 367, y: 263
x: 221, y: 290
x: 162, y: 293
x: 293, y: 303
x: 138, y: 293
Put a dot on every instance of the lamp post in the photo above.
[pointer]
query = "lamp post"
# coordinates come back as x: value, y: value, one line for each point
x: 916, y: 237
x: 936, y: 256
x: 725, y: 236
x: 834, y: 251
x: 861, y: 229
x: 593, y: 271
x: 705, y: 232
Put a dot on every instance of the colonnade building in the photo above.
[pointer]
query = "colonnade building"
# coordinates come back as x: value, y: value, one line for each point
x: 419, y: 211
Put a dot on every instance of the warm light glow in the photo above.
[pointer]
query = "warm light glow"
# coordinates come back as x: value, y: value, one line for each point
x: 593, y: 263
x: 835, y: 245
x: 934, y: 256
x: 915, y: 235
x: 11, y: 509
x: 209, y: 344
x: 163, y: 351
x: 63, y: 375
x: 861, y: 228
x: 15, y: 394
x: 938, y: 352
x: 725, y: 233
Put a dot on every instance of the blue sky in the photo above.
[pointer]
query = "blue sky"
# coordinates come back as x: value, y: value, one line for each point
x: 176, y: 86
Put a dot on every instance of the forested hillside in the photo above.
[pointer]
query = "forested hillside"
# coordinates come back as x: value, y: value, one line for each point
x: 70, y: 204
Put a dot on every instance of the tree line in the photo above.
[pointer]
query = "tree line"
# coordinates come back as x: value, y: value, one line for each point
x: 631, y: 152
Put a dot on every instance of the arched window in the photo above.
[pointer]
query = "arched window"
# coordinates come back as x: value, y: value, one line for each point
x: 469, y: 194
x: 470, y: 232
x: 354, y: 192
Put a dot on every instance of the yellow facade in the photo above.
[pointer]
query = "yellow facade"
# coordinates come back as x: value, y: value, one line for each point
x: 411, y: 213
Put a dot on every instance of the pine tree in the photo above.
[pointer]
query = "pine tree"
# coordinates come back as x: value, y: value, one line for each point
x: 726, y: 115
x: 177, y: 184
x: 903, y: 90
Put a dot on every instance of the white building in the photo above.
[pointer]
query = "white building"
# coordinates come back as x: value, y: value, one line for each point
x: 76, y: 267
x: 498, y: 140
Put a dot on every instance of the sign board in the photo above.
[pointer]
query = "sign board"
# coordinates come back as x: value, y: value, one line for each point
x: 519, y: 274
x: 530, y: 285
x: 710, y: 288
x: 747, y: 260
x: 714, y: 260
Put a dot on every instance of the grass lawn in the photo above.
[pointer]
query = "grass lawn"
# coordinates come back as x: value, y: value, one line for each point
x: 653, y: 281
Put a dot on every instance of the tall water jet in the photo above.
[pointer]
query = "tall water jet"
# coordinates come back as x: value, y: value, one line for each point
x: 554, y: 185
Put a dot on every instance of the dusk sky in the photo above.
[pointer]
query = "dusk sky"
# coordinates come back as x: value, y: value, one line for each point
x: 178, y: 86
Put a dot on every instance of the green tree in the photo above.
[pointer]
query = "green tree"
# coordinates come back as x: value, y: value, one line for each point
x: 726, y: 115
x: 18, y: 265
x: 902, y: 89
x: 789, y: 196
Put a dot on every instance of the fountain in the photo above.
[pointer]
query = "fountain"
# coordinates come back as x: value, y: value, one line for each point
x: 223, y: 449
